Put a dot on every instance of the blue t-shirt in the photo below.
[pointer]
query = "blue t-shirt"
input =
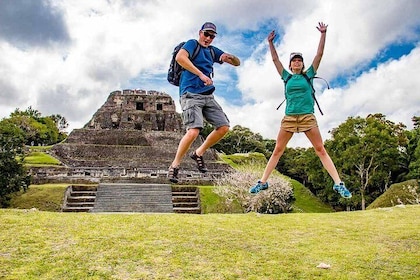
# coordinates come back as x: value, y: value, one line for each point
x: 190, y: 82
x: 299, y: 100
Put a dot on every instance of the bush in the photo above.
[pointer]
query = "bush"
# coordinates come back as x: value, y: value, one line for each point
x: 234, y: 187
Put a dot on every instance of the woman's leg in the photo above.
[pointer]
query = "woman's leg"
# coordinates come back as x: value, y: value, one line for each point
x: 315, y: 137
x: 283, y: 138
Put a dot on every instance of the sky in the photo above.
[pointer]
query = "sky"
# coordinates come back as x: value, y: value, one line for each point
x: 66, y: 56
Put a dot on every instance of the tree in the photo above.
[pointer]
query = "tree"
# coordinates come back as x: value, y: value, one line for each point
x: 39, y: 130
x: 413, y: 151
x: 293, y: 163
x: 13, y: 175
x: 241, y: 140
x: 367, y: 152
x: 60, y: 122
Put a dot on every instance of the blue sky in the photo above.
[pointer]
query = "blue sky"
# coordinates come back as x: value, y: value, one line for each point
x: 66, y: 56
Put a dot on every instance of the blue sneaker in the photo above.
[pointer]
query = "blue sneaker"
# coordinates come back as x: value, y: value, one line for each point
x: 258, y: 187
x: 342, y: 190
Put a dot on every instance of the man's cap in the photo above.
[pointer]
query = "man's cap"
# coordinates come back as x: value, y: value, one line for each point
x: 208, y: 26
x: 296, y: 54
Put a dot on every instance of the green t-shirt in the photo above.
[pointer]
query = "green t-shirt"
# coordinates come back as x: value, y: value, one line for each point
x: 299, y: 100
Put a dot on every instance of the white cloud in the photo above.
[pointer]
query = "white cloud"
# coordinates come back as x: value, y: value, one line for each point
x: 109, y: 45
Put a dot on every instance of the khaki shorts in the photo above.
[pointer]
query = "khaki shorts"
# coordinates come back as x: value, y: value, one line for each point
x: 198, y: 107
x: 299, y: 123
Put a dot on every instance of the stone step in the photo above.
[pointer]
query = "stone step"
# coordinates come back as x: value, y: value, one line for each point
x: 82, y: 193
x: 80, y: 204
x: 185, y: 205
x: 120, y: 197
x: 185, y: 198
x: 81, y: 199
x: 84, y: 188
x: 187, y: 210
x: 77, y: 209
x: 184, y: 193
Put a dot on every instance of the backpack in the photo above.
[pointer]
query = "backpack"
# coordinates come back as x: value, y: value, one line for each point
x: 313, y: 89
x: 175, y: 70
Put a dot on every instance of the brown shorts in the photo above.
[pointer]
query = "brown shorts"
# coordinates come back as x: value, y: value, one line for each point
x: 299, y: 123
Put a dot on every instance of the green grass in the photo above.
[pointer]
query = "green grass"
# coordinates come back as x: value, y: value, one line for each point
x: 40, y: 159
x: 383, y: 243
x: 212, y: 203
x: 39, y: 148
x: 397, y: 194
x: 48, y: 197
x: 306, y: 201
x: 375, y: 244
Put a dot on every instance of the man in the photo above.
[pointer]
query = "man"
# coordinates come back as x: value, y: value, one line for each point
x: 196, y: 97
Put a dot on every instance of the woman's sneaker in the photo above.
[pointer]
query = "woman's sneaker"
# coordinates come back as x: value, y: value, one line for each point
x: 342, y: 190
x: 258, y: 187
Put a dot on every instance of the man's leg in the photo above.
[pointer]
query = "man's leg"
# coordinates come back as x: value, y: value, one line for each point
x: 214, y: 137
x: 183, y: 148
x: 184, y: 145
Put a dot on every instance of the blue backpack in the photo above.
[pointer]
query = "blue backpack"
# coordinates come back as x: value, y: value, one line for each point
x: 175, y: 70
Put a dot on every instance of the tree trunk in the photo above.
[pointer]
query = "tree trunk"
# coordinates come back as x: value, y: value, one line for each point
x: 363, y: 201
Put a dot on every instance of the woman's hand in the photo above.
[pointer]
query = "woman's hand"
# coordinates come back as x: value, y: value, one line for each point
x: 322, y: 27
x: 271, y: 36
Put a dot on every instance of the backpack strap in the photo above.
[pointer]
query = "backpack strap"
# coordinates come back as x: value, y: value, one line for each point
x: 198, y: 49
x: 285, y: 82
x: 313, y: 90
x: 312, y: 87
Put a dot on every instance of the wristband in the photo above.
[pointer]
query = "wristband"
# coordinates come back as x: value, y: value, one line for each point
x: 324, y: 31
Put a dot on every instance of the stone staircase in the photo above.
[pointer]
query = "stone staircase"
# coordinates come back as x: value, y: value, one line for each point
x: 118, y: 197
x: 186, y: 199
x: 129, y: 197
x: 79, y: 198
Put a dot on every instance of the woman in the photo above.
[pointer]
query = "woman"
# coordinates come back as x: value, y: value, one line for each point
x: 299, y: 115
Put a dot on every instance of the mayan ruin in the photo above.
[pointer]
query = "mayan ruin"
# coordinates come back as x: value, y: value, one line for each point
x: 132, y: 137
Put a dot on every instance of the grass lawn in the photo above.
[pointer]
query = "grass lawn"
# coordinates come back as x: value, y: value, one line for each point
x: 40, y: 159
x: 47, y: 197
x: 376, y: 244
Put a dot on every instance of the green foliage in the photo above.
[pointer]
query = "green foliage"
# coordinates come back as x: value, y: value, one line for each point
x: 407, y: 192
x: 241, y: 140
x: 366, y: 151
x: 237, y: 160
x: 39, y: 130
x: 413, y: 151
x: 293, y: 162
x: 13, y: 175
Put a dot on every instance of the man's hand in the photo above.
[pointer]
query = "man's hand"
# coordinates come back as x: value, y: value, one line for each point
x: 231, y: 59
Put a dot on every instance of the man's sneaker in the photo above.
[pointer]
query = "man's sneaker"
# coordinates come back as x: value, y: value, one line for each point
x: 258, y: 187
x: 342, y: 190
x: 200, y: 162
x: 173, y: 174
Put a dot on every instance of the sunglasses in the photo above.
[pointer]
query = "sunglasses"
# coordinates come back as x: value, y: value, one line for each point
x: 207, y: 34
